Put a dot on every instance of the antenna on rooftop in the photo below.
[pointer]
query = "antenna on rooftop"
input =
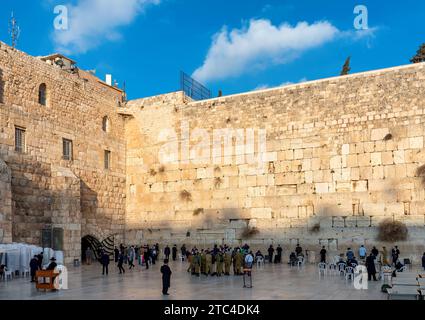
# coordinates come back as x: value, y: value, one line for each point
x: 14, y: 30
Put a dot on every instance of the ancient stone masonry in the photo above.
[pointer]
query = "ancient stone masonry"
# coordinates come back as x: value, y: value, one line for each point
x: 78, y: 195
x: 341, y: 156
x: 322, y: 162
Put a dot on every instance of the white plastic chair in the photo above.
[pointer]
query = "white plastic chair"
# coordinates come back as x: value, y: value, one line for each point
x: 300, y: 262
x: 341, y: 268
x: 26, y: 273
x: 349, y: 273
x: 322, y: 268
x: 8, y: 275
x: 260, y: 262
x: 333, y: 268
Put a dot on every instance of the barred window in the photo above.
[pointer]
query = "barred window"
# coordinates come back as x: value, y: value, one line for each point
x: 107, y: 159
x: 67, y: 149
x: 19, y: 139
x: 42, y: 94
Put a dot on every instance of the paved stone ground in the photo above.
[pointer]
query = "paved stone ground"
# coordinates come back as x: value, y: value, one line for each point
x: 272, y: 282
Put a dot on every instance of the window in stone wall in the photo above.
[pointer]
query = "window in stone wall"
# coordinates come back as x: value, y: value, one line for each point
x: 105, y: 124
x: 42, y: 94
x: 20, y: 139
x: 107, y: 159
x: 67, y: 149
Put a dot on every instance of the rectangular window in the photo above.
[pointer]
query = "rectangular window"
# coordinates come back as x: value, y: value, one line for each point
x: 107, y: 159
x: 19, y: 139
x: 67, y: 149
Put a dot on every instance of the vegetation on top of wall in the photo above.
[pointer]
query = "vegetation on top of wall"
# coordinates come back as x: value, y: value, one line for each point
x: 152, y: 172
x: 161, y: 169
x: 185, y: 195
x: 249, y: 232
x: 391, y: 231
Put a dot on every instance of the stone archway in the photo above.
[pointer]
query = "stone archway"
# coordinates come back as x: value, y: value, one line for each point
x: 6, y: 203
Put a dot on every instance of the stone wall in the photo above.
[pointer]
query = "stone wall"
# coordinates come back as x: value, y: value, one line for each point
x: 47, y: 191
x: 341, y: 156
x: 5, y: 204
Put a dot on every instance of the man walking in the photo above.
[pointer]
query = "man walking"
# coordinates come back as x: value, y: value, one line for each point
x: 34, y: 267
x: 121, y: 262
x: 166, y: 278
x: 167, y: 252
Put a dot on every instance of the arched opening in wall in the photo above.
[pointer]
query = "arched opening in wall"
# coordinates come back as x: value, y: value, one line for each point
x: 42, y: 94
x: 94, y: 244
x: 106, y: 123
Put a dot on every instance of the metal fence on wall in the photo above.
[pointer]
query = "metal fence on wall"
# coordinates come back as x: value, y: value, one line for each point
x: 193, y: 88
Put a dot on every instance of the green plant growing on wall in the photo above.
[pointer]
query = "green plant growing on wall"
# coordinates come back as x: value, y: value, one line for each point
x: 185, y: 195
x: 161, y: 169
x: 388, y: 137
x: 392, y: 231
x: 315, y: 228
x: 420, y: 172
x: 198, y: 211
x: 152, y: 172
x: 249, y: 232
x: 217, y: 182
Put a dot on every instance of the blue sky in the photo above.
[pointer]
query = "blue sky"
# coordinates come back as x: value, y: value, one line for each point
x: 231, y: 45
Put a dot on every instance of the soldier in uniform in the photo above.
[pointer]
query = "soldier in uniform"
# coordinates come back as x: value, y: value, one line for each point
x: 208, y: 263
x: 219, y: 262
x: 203, y: 261
x: 197, y: 262
x: 227, y: 263
x: 239, y: 262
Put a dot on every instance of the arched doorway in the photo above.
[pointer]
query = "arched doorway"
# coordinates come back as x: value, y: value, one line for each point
x: 89, y: 241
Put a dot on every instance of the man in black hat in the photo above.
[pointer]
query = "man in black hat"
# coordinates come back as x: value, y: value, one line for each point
x: 34, y: 266
x: 166, y: 277
x: 105, y: 262
x: 52, y: 265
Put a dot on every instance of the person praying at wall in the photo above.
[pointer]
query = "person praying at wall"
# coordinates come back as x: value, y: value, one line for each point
x: 166, y: 278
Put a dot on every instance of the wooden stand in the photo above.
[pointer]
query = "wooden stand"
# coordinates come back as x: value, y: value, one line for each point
x: 45, y: 274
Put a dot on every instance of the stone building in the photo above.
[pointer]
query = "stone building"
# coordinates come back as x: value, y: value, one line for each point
x: 322, y: 162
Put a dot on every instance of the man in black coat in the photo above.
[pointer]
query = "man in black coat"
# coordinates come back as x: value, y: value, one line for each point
x: 167, y: 252
x: 52, y: 265
x: 116, y: 254
x: 278, y: 257
x: 40, y: 260
x: 174, y: 252
x: 105, y: 262
x: 34, y: 267
x: 370, y: 265
x: 146, y: 256
x: 166, y: 277
x: 423, y: 261
x: 323, y: 255
x: 271, y: 251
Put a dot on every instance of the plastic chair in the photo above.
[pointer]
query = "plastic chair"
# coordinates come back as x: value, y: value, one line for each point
x: 349, y: 273
x: 322, y: 268
x: 260, y: 262
x: 26, y: 273
x: 8, y: 275
x: 333, y: 268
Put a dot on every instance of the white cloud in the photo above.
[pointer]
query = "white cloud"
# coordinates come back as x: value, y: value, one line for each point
x: 260, y: 45
x: 92, y: 22
x: 286, y: 83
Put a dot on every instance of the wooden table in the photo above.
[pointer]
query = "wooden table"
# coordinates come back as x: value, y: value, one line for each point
x: 45, y: 274
x: 404, y: 293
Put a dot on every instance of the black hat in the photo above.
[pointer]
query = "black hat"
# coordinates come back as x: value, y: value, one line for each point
x: 53, y: 259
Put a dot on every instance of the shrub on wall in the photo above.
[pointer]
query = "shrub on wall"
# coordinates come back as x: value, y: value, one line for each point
x: 249, y: 232
x: 185, y: 195
x: 391, y: 231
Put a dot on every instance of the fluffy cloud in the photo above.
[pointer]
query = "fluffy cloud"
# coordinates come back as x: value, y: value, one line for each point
x: 260, y: 45
x: 92, y: 22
